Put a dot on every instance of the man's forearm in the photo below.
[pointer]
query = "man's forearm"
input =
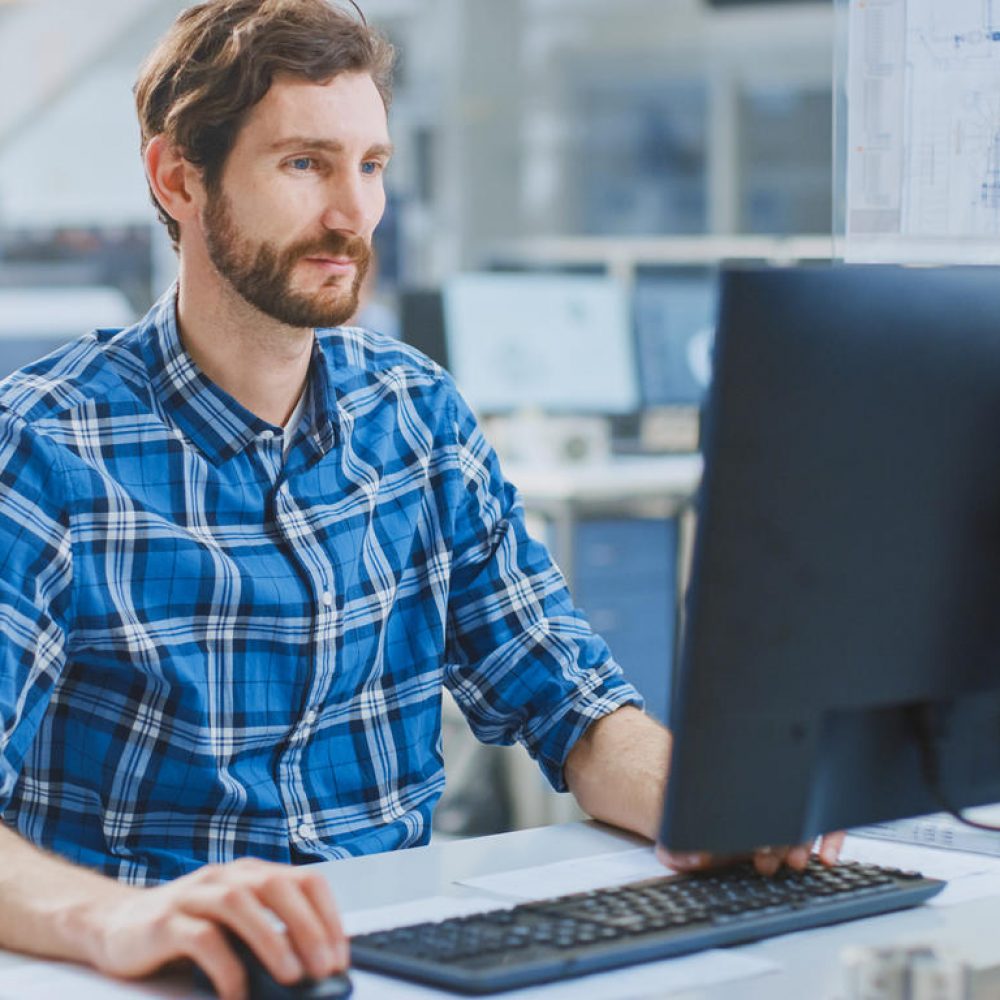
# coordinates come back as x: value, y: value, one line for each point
x: 45, y: 901
x: 618, y: 769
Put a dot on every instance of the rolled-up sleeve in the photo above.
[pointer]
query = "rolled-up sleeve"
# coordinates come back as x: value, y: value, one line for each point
x: 35, y: 587
x: 522, y: 662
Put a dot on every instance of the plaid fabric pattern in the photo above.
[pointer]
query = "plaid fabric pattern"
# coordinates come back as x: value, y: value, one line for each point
x: 211, y: 650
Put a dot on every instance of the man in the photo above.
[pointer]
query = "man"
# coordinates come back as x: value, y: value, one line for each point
x: 241, y: 557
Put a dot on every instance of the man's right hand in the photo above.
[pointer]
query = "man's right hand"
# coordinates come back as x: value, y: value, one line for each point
x: 132, y: 932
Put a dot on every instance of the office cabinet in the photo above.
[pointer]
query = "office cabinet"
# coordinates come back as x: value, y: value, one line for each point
x: 625, y: 580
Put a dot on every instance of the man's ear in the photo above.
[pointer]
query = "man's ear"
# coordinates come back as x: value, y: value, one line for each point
x: 174, y: 181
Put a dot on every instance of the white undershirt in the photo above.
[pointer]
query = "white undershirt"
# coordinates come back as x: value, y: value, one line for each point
x: 293, y: 423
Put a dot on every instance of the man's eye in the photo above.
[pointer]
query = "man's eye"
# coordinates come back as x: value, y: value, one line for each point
x: 371, y: 167
x: 302, y: 163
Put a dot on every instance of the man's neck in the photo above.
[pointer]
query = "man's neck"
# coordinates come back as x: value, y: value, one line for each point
x: 261, y: 363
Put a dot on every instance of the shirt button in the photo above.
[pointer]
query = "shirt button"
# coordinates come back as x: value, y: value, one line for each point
x: 306, y: 831
x: 309, y: 718
x: 327, y: 599
x: 267, y: 435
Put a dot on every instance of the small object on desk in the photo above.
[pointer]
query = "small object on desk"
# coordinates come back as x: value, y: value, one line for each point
x: 546, y: 439
x: 263, y: 986
x: 941, y: 830
x: 905, y: 973
x: 670, y: 429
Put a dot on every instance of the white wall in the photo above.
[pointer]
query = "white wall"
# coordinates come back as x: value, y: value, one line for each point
x: 495, y: 100
x: 70, y: 153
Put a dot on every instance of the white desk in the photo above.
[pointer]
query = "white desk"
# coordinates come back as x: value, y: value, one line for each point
x: 658, y: 485
x: 809, y: 962
x: 626, y: 477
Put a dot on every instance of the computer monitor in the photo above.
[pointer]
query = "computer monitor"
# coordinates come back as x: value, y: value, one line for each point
x: 555, y: 342
x: 421, y: 322
x: 845, y: 590
x: 35, y: 321
x: 675, y: 313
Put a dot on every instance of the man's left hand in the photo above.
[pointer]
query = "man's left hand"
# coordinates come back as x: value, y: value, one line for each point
x: 767, y: 860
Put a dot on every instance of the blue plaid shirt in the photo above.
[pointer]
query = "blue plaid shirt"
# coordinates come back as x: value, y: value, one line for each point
x: 212, y: 650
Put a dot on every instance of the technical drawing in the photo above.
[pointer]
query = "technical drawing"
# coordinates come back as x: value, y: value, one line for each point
x: 923, y: 156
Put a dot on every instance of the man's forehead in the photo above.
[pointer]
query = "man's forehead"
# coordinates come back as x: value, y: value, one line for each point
x: 346, y: 110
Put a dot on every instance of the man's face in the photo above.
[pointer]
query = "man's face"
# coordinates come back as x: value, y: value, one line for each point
x: 291, y: 223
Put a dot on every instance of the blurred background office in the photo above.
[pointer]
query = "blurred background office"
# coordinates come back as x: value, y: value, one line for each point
x: 569, y: 176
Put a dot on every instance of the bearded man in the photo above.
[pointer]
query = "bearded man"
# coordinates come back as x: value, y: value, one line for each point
x: 244, y: 548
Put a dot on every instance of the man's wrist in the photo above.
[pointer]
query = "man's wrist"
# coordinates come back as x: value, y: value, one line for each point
x: 617, y: 770
x: 81, y: 924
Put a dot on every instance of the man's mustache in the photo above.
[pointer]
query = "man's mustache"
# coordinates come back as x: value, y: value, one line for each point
x: 333, y: 245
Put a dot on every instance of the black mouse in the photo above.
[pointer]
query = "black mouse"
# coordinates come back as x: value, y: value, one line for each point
x: 263, y: 986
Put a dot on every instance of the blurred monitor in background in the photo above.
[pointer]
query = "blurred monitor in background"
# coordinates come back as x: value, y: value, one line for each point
x: 45, y: 257
x: 554, y: 343
x: 421, y: 310
x: 421, y: 321
x: 674, y: 310
x: 675, y: 314
x: 35, y: 321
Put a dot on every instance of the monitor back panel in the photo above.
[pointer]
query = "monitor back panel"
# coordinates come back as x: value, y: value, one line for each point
x: 848, y: 553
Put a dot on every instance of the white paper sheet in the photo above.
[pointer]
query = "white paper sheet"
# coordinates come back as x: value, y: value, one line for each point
x: 576, y: 875
x: 969, y: 876
x: 921, y: 88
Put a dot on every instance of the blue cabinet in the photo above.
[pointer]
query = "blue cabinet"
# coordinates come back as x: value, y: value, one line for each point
x: 624, y: 577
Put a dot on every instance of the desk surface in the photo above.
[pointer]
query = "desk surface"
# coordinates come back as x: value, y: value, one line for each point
x: 628, y: 477
x: 809, y: 962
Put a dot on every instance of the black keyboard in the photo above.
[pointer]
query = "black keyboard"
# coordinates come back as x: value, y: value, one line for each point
x: 656, y: 918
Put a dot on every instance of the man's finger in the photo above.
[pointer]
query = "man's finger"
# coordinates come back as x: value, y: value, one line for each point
x: 767, y: 860
x: 318, y: 892
x: 206, y: 945
x: 238, y: 908
x: 694, y: 861
x: 307, y: 931
x: 830, y: 847
x: 683, y: 861
x: 798, y: 856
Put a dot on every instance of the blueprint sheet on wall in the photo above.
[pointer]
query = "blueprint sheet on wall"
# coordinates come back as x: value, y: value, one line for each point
x: 923, y: 131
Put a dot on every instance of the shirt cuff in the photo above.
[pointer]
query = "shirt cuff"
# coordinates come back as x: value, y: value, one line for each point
x: 550, y: 739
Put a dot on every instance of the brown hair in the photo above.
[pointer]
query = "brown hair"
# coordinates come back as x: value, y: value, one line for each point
x: 220, y: 58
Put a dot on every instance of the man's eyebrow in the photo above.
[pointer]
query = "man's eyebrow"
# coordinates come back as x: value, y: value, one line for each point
x: 328, y: 146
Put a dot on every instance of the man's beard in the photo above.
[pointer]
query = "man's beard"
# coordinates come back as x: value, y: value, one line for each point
x: 262, y: 274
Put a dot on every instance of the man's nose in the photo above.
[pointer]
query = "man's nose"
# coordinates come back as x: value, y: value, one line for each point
x: 349, y: 208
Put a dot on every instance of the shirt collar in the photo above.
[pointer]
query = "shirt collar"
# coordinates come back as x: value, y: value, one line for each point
x: 216, y: 423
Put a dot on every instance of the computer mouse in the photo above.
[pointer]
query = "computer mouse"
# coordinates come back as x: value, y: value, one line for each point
x: 263, y: 986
